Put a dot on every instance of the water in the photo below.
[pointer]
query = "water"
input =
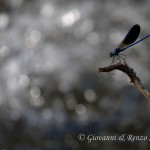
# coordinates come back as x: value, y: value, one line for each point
x: 50, y: 90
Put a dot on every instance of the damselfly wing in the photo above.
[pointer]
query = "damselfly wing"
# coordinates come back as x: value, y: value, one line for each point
x: 131, y: 36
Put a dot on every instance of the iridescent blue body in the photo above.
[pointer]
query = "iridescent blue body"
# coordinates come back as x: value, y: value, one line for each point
x: 115, y: 52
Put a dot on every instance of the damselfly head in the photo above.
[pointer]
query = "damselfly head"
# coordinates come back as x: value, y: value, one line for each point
x: 111, y: 54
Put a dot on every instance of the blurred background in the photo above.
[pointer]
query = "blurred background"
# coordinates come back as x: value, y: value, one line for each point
x: 50, y: 91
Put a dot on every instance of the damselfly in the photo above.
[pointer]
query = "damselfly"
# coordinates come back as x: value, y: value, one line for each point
x: 127, y: 42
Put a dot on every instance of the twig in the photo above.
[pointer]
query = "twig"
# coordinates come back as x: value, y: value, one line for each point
x: 132, y: 75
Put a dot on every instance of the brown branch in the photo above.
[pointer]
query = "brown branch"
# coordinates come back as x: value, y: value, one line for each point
x: 132, y: 75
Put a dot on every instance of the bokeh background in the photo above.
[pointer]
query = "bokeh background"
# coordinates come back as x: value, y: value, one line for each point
x: 50, y: 91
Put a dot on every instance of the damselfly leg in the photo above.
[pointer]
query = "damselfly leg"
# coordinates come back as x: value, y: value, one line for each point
x: 113, y: 60
x: 122, y: 56
x: 118, y: 58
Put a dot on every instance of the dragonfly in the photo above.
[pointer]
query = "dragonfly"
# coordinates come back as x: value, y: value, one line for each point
x: 127, y: 42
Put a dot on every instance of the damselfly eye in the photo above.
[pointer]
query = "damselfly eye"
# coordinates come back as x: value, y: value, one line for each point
x: 111, y: 54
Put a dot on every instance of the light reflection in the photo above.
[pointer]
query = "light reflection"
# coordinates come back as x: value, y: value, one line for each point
x: 86, y: 27
x: 24, y: 80
x: 80, y: 109
x: 32, y: 37
x: 70, y: 18
x: 71, y: 103
x: 35, y: 92
x: 12, y: 68
x: 90, y: 95
x: 47, y: 10
x: 36, y: 98
x: 11, y: 73
x: 37, y: 101
x: 16, y: 3
x: 4, y: 20
x: 118, y: 37
x: 4, y: 51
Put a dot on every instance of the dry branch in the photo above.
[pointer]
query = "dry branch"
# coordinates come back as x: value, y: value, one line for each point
x: 132, y: 75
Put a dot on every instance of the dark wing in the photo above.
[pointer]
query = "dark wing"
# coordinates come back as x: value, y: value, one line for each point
x: 131, y: 36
